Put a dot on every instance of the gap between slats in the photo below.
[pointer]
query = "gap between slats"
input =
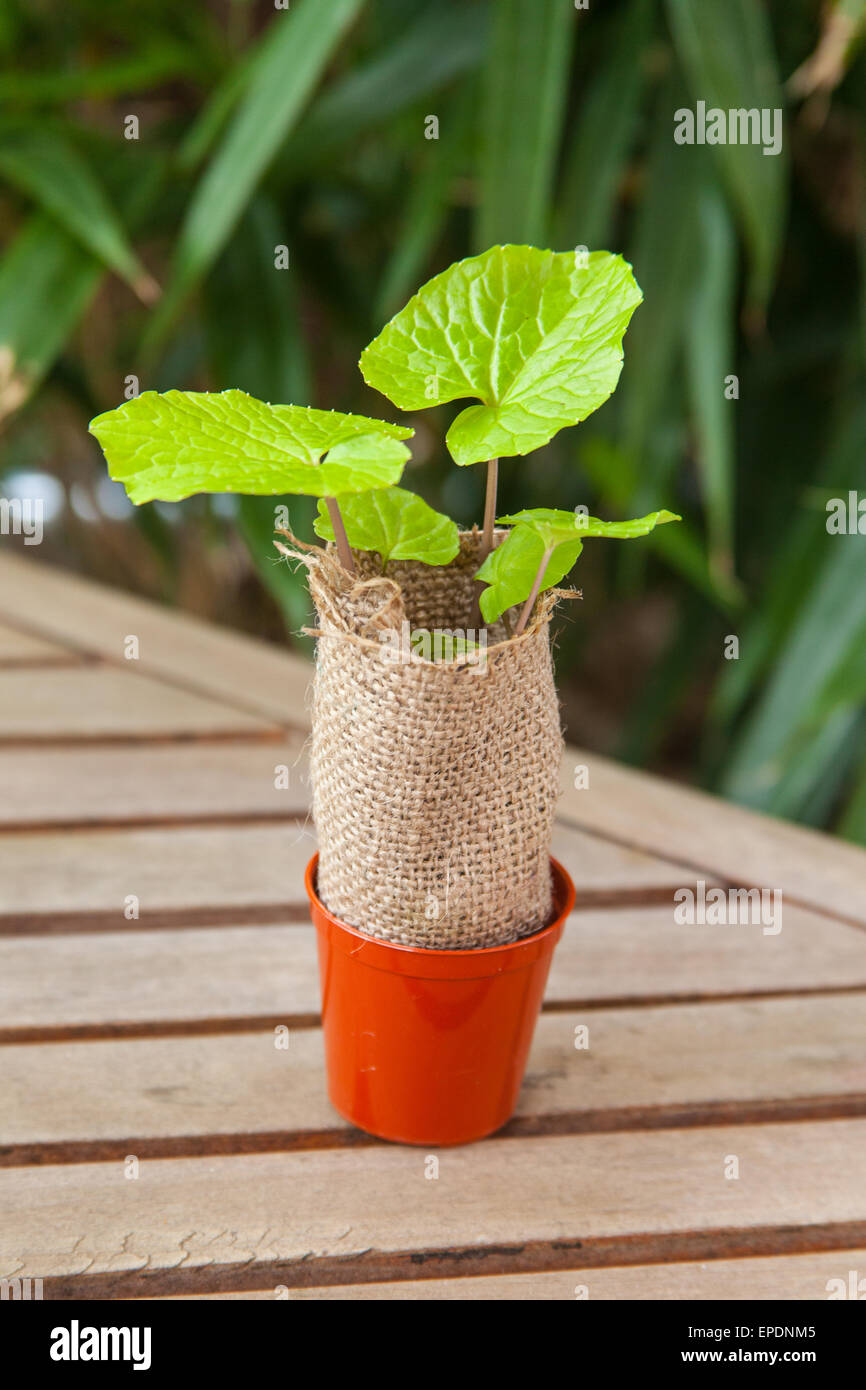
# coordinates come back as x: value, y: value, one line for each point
x: 709, y: 874
x: 518, y: 1258
x: 275, y: 734
x: 630, y: 1119
x: 267, y: 914
x: 266, y: 1023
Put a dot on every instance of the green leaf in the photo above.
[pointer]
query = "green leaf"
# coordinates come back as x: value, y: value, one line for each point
x: 613, y: 472
x: 828, y: 632
x: 46, y: 283
x: 852, y: 826
x: 439, y: 645
x: 427, y: 204
x: 171, y: 445
x: 665, y: 247
x: 443, y: 42
x: 710, y: 358
x: 396, y: 524
x: 534, y: 335
x: 150, y: 66
x: 289, y: 63
x: 510, y: 570
x: 47, y: 168
x: 214, y: 115
x: 271, y: 362
x: 286, y: 583
x: 596, y: 161
x: 524, y: 91
x: 556, y: 527
x: 727, y: 52
x: 804, y: 549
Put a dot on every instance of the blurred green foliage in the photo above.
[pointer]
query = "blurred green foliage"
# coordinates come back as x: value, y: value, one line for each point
x: 379, y: 140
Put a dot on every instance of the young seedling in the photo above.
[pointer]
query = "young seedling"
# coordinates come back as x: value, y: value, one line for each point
x: 539, y: 552
x: 172, y: 445
x: 535, y: 337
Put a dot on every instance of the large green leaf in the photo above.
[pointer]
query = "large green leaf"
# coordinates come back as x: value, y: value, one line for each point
x: 50, y: 170
x: 534, y: 335
x: 171, y: 445
x: 524, y: 89
x: 396, y: 524
x: 290, y: 61
x: 727, y: 52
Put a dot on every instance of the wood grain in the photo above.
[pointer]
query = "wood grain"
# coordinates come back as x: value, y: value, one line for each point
x: 736, y: 844
x: 19, y: 648
x: 638, y: 1061
x: 68, y: 787
x: 93, y: 702
x: 793, y: 1277
x: 252, y: 866
x: 168, y: 870
x: 252, y: 973
x: 294, y: 1209
x: 248, y: 674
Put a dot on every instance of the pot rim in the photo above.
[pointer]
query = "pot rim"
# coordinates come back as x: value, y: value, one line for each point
x: 432, y: 962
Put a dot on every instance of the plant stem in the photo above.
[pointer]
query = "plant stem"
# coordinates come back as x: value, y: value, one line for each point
x: 526, y: 610
x: 344, y: 550
x: 490, y: 507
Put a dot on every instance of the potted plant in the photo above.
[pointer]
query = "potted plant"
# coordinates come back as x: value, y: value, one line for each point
x: 436, y: 739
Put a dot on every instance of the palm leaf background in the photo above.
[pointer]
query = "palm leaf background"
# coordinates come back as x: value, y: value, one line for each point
x: 146, y: 249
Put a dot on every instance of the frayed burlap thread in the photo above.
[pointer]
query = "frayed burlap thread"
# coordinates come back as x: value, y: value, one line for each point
x: 434, y: 782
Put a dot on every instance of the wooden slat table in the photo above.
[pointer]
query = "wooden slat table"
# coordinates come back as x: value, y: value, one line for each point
x: 150, y: 1037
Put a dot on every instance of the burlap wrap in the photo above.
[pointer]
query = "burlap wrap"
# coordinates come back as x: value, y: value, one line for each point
x: 434, y: 782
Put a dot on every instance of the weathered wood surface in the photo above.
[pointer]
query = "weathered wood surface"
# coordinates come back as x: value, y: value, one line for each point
x: 741, y: 846
x: 19, y: 648
x: 94, y: 702
x: 632, y: 1068
x: 291, y: 1211
x: 796, y: 1277
x: 177, y: 976
x: 153, y: 1036
x: 256, y: 865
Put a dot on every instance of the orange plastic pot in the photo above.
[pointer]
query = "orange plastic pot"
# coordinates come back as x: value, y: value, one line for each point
x: 429, y: 1047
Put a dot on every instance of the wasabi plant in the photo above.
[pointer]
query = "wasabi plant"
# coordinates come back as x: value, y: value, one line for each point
x: 533, y: 338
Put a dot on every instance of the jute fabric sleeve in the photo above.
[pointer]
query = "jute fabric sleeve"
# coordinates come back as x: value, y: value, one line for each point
x: 434, y: 781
